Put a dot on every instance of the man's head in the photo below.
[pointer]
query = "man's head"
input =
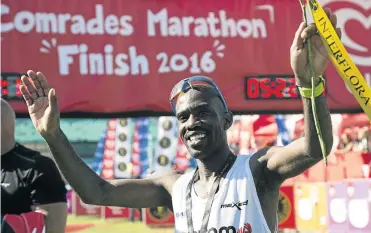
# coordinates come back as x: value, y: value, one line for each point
x: 203, y: 119
x: 7, y: 127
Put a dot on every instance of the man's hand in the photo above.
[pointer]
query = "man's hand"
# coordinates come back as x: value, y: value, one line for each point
x: 298, y: 52
x: 92, y: 189
x: 281, y: 163
x: 41, y: 102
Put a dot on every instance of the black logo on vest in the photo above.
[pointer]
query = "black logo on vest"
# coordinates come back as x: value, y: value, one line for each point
x: 228, y: 229
x: 234, y: 204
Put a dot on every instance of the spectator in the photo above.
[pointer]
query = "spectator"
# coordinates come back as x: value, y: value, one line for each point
x: 346, y: 144
x: 30, y: 181
x: 361, y: 144
x: 368, y: 139
x: 235, y: 148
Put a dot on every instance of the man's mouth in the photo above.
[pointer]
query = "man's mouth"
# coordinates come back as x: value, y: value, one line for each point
x: 196, y: 138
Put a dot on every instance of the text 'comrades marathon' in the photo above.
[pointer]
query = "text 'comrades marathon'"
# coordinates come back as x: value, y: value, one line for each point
x: 111, y: 60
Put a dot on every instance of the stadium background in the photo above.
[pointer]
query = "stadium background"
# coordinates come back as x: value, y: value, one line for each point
x: 321, y: 194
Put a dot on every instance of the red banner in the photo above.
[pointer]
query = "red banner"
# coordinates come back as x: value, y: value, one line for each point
x: 109, y: 212
x: 100, y: 56
x: 79, y: 208
x: 286, y: 208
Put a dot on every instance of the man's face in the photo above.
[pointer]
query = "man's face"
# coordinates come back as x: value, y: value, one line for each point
x: 202, y: 122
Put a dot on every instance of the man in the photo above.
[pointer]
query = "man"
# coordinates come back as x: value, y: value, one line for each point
x: 29, y: 181
x: 225, y: 194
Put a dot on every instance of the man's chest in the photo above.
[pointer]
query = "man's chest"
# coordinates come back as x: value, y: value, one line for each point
x: 14, y: 188
x: 228, y: 217
x: 228, y: 213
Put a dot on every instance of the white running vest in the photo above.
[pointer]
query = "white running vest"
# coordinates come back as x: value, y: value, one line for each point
x: 236, y: 207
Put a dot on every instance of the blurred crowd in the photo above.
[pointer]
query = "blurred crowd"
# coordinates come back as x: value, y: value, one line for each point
x: 355, y: 139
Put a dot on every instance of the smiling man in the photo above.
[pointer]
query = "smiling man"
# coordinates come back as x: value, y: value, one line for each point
x: 226, y: 193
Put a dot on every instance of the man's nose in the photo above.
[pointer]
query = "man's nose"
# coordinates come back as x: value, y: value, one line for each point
x: 193, y: 121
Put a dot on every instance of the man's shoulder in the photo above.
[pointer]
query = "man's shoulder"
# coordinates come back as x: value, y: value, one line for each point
x: 24, y: 157
x: 29, y: 158
x: 167, y: 179
x: 170, y: 176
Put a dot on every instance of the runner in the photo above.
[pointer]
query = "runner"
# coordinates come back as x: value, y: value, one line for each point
x: 227, y: 193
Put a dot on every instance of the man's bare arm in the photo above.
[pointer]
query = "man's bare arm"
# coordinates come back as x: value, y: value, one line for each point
x: 92, y: 189
x: 43, y: 108
x: 301, y: 154
x: 140, y: 193
x: 281, y: 163
x: 55, y: 216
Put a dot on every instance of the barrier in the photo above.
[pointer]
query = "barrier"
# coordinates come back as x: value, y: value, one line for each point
x: 112, y: 212
x: 286, y: 208
x: 311, y: 205
x: 158, y: 216
x: 31, y: 222
x: 79, y: 208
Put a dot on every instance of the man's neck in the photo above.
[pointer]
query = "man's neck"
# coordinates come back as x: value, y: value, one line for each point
x: 6, y: 147
x: 209, y: 168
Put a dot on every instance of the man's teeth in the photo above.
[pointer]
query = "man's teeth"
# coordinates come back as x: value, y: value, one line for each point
x: 198, y: 136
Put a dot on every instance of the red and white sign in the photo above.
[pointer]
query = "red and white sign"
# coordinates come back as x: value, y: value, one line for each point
x: 115, y: 212
x: 79, y: 208
x: 99, y: 56
x: 286, y: 208
x: 109, y: 152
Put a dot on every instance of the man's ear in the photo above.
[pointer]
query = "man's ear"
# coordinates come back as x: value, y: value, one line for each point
x: 228, y: 120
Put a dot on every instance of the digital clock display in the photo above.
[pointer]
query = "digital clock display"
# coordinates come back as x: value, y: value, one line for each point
x: 268, y: 87
x: 10, y: 86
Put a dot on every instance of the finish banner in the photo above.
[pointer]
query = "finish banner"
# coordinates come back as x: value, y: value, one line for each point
x: 125, y: 56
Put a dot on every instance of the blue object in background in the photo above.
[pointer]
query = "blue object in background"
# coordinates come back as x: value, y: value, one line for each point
x: 143, y: 137
x: 283, y: 137
x: 98, y: 156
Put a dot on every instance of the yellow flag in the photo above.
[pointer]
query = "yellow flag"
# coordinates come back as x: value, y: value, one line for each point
x: 340, y: 58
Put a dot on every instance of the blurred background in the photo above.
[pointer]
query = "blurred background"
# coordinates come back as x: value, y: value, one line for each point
x: 113, y: 64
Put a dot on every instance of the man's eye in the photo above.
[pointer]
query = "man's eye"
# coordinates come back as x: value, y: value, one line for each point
x: 203, y: 113
x: 182, y: 119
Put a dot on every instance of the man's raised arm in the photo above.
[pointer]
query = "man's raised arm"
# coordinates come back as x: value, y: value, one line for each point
x: 295, y: 158
x: 42, y: 106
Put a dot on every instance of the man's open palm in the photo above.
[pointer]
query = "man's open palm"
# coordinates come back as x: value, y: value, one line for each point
x: 41, y: 102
